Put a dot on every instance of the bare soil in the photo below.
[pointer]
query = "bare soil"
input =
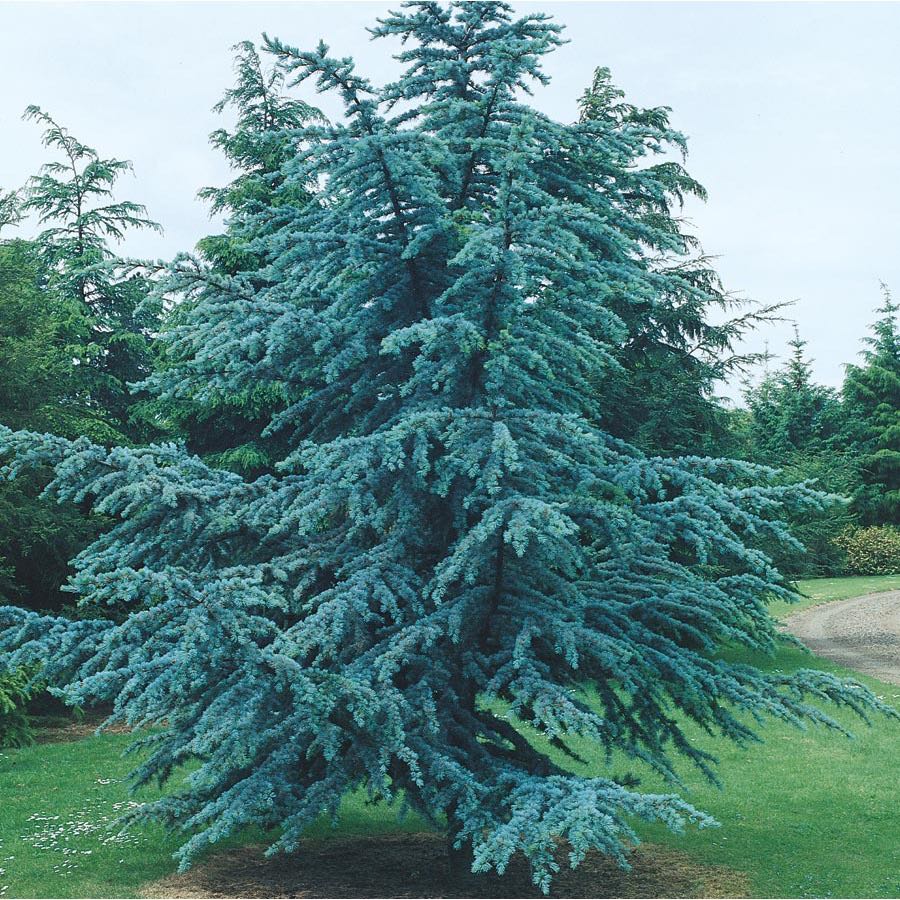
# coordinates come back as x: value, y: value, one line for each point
x: 862, y: 633
x: 59, y: 729
x: 416, y: 865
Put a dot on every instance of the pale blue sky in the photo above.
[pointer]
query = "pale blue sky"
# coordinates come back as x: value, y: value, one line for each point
x: 791, y: 111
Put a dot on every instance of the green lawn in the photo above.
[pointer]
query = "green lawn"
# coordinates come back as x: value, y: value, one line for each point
x: 805, y: 813
x: 58, y: 805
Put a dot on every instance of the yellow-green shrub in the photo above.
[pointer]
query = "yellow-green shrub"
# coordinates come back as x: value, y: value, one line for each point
x: 871, y: 551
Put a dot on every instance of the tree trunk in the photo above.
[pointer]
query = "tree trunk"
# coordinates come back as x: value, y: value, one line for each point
x: 459, y: 862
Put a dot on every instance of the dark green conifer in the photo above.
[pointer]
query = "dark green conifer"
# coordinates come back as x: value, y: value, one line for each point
x: 799, y: 426
x: 41, y: 388
x: 872, y: 397
x: 73, y: 196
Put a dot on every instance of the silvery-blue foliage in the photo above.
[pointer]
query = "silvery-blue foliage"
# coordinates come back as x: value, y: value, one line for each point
x: 453, y: 544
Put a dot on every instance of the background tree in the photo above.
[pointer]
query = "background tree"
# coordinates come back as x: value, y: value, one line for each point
x: 73, y: 196
x: 799, y: 426
x: 72, y: 334
x: 225, y: 423
x: 872, y: 398
x: 452, y: 547
x: 41, y: 389
x: 677, y: 346
x: 791, y: 413
x: 10, y: 208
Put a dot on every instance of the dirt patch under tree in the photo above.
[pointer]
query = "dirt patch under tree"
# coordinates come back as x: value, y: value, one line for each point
x: 415, y: 865
x: 62, y: 729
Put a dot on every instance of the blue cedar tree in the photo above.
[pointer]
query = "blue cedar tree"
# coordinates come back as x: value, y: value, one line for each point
x: 452, y: 545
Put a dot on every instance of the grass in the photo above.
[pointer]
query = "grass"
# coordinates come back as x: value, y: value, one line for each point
x: 56, y: 800
x: 58, y: 805
x: 806, y: 814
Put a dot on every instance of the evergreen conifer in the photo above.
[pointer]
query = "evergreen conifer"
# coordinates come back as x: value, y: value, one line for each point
x: 73, y: 197
x: 453, y: 548
x: 872, y: 397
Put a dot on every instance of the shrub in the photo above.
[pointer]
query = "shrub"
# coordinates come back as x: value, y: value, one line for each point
x: 15, y: 692
x: 871, y: 551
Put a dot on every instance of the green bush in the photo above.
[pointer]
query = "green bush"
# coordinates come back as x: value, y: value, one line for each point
x: 871, y: 551
x: 15, y: 692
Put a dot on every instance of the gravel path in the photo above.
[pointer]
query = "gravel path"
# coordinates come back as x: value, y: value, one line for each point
x: 862, y: 633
